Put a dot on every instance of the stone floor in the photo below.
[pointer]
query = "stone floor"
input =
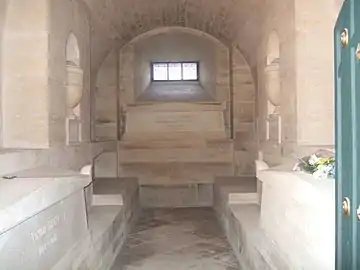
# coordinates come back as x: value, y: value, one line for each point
x: 177, y: 239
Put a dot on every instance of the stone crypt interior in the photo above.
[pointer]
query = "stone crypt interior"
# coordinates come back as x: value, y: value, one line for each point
x: 161, y: 134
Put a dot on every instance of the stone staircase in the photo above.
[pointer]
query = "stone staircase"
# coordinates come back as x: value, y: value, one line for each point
x: 175, y: 148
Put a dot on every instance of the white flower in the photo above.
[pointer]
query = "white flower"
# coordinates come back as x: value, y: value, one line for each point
x: 313, y: 159
x: 322, y: 172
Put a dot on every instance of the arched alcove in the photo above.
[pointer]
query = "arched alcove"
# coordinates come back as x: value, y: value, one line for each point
x: 273, y: 89
x: 74, y: 89
x: 273, y: 49
x: 176, y: 44
x: 72, y: 50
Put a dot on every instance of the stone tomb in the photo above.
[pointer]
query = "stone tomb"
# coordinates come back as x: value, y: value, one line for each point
x: 172, y: 120
x: 39, y: 242
x: 41, y: 220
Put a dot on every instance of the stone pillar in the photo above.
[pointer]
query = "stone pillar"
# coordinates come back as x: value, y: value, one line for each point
x: 24, y: 85
x: 314, y: 73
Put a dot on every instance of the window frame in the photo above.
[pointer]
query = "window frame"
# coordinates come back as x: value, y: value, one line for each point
x: 167, y: 63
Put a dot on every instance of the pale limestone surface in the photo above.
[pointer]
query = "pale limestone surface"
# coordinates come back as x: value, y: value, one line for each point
x: 40, y: 241
x: 33, y: 90
x: 304, y: 213
x: 59, y: 232
x: 34, y: 190
x: 176, y: 239
x: 153, y: 120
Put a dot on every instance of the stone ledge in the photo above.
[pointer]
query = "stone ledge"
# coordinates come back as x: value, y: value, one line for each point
x: 108, y: 226
x: 241, y: 222
x: 296, y: 206
x: 170, y: 155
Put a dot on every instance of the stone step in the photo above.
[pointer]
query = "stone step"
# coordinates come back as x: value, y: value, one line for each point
x: 175, y: 173
x: 180, y: 155
x: 243, y: 198
x: 252, y: 247
x: 107, y: 191
x: 247, y: 235
x: 107, y: 199
x: 173, y: 142
x: 238, y: 190
x: 177, y: 196
x: 174, y: 134
x: 175, y: 106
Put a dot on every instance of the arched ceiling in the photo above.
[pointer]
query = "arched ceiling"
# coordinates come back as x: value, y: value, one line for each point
x: 230, y: 21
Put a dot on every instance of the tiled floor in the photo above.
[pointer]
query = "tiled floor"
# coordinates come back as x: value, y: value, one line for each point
x: 177, y: 239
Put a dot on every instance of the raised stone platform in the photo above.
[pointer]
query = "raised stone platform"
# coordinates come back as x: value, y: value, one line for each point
x: 240, y: 219
x: 292, y: 225
x: 299, y: 207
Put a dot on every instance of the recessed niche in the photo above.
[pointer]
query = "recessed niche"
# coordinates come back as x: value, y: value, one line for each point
x: 273, y: 90
x: 74, y: 90
x: 73, y: 130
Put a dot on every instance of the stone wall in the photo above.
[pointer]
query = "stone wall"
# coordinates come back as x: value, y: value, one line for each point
x: 314, y: 72
x: 244, y: 98
x: 174, y: 44
x: 24, y: 76
x: 305, y: 33
x: 79, y: 25
x: 279, y: 19
x: 47, y: 120
x: 127, y: 74
x: 34, y: 72
x: 3, y: 9
x: 105, y: 95
x: 227, y: 20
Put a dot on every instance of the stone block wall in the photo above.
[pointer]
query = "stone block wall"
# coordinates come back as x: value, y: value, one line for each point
x: 40, y: 112
x: 314, y: 72
x: 279, y: 19
x: 34, y: 71
x: 137, y: 55
x: 305, y: 33
x: 244, y: 93
x: 24, y: 75
x: 59, y: 30
x: 127, y: 74
x: 106, y: 95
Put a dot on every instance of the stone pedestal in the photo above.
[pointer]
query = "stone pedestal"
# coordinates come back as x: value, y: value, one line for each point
x: 274, y: 129
x: 73, y: 130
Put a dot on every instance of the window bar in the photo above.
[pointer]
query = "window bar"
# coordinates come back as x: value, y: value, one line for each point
x: 182, y: 71
x: 168, y: 71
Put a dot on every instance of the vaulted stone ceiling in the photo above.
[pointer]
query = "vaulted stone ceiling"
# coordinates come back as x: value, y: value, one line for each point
x: 230, y: 21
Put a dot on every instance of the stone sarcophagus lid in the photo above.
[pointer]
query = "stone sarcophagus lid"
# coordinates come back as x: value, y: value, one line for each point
x: 42, y: 217
x: 174, y: 121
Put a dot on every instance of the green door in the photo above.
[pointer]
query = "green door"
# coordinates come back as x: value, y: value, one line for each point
x: 347, y: 81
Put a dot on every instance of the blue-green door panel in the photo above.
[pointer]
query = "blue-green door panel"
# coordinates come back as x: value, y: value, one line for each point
x: 347, y: 97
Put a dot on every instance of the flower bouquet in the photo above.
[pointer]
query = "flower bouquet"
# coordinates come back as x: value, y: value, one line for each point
x: 320, y: 164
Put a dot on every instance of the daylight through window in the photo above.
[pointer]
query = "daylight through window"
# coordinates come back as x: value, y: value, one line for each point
x: 180, y: 71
